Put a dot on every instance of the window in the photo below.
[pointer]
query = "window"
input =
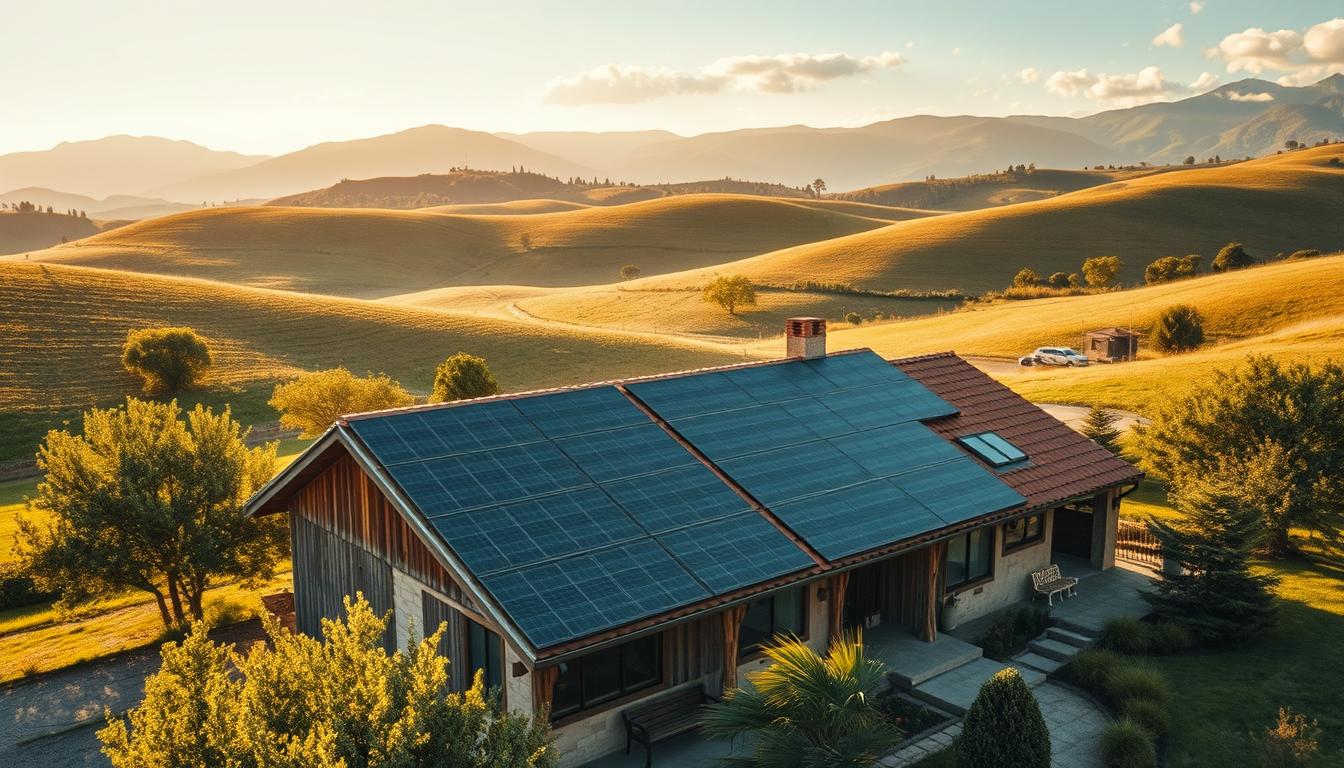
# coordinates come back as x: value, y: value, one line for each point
x: 608, y: 674
x: 970, y: 557
x: 783, y: 613
x: 1023, y: 531
x: 485, y: 652
x: 992, y: 449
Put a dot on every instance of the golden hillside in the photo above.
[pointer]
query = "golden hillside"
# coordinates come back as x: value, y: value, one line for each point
x: 371, y: 253
x: 1275, y: 204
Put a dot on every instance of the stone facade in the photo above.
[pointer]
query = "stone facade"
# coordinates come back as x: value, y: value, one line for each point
x: 408, y: 608
x: 1012, y: 575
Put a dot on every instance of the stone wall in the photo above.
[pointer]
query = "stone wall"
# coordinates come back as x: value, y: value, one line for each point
x: 1012, y: 575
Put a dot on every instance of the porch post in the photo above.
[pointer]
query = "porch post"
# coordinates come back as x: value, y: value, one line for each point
x: 839, y: 585
x: 732, y: 625
x: 928, y: 631
x: 1105, y: 522
x: 543, y: 688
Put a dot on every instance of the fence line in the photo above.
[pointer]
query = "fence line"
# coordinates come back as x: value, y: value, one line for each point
x: 1133, y: 541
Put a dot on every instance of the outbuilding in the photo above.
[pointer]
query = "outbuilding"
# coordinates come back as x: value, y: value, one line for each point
x: 1111, y: 345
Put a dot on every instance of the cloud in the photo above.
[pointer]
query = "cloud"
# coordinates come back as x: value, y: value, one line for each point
x: 1234, y: 96
x: 1171, y: 36
x: 1304, y: 57
x: 1029, y: 75
x: 1196, y: 6
x: 786, y: 73
x: 1204, y: 82
x: 1148, y: 84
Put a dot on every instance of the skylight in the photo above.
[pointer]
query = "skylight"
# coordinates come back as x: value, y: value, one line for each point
x: 996, y: 451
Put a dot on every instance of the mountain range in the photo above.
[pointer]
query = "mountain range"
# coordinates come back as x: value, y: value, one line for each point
x: 1246, y: 118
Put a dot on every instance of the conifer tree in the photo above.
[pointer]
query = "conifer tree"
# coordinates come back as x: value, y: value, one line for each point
x: 1099, y: 427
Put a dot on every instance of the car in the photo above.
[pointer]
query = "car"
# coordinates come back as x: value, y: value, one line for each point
x: 1055, y: 356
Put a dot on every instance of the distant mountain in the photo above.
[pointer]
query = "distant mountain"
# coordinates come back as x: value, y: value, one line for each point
x: 595, y: 150
x: 111, y: 207
x: 115, y: 165
x: 427, y: 149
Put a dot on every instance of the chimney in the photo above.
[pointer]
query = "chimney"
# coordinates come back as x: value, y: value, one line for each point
x: 805, y: 337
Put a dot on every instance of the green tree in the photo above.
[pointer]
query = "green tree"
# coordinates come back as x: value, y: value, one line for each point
x: 1075, y: 281
x: 1232, y: 256
x: 1102, y: 271
x: 463, y: 376
x: 806, y: 710
x: 1179, y: 328
x: 314, y: 401
x: 629, y: 272
x: 1215, y: 596
x: 1169, y: 268
x: 853, y: 318
x: 730, y: 292
x: 1099, y: 427
x: 1026, y: 277
x: 1278, y: 430
x: 818, y: 187
x: 1058, y: 280
x: 1189, y: 160
x: 333, y: 703
x: 166, y: 359
x: 1004, y: 726
x: 144, y: 500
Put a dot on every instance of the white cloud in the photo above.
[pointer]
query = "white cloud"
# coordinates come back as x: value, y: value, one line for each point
x: 1325, y: 42
x: 1148, y: 84
x: 1171, y: 36
x: 1234, y: 96
x: 1196, y: 6
x: 1204, y: 82
x: 1029, y: 75
x: 956, y: 51
x: 1304, y: 57
x: 786, y: 73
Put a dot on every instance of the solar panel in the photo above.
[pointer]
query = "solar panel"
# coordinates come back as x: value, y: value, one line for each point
x: 744, y: 430
x: 774, y: 477
x: 895, y: 449
x: 691, y: 395
x: 858, y: 518
x: 625, y: 452
x: 560, y: 600
x: 768, y: 383
x: 455, y: 483
x: 498, y: 538
x: 558, y: 414
x: 858, y: 369
x: 675, y: 498
x: 444, y: 431
x: 735, y: 552
x: 958, y: 490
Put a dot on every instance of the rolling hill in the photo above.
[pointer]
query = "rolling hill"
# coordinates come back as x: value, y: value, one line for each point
x: 371, y: 253
x: 23, y: 232
x: 1276, y: 204
x: 111, y: 207
x: 989, y: 190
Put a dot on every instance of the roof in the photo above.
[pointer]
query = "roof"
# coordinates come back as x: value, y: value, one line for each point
x: 587, y: 512
x: 1113, y: 331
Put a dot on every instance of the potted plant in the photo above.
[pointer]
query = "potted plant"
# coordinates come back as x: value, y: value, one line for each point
x: 947, y: 619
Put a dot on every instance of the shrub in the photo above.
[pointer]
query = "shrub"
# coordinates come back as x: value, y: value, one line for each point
x: 853, y: 318
x: 1102, y: 271
x: 1125, y: 634
x: 1149, y: 714
x: 1136, y: 682
x: 1127, y: 744
x: 730, y: 292
x: 1179, y: 328
x: 1004, y: 726
x: 1289, y: 743
x: 223, y: 612
x: 1305, y: 253
x: 463, y: 376
x: 1232, y: 256
x: 1075, y: 281
x: 18, y: 590
x: 166, y: 359
x: 1058, y: 280
x: 1169, y: 268
x: 1090, y: 669
x: 1333, y: 161
x: 1026, y: 277
x: 314, y: 401
x: 629, y: 272
x: 1167, y: 638
x: 1008, y: 634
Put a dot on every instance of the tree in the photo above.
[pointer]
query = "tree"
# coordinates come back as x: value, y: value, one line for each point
x: 1291, y: 144
x: 629, y: 272
x: 1214, y: 596
x: 819, y: 186
x: 730, y: 292
x: 314, y: 401
x: 1101, y: 271
x: 1004, y: 726
x: 1099, y: 427
x: 1058, y: 280
x: 300, y: 701
x: 853, y: 318
x: 167, y: 359
x: 144, y: 500
x: 1189, y: 160
x: 1232, y: 256
x: 1278, y: 430
x: 463, y: 376
x: 1026, y: 277
x: 1074, y: 280
x: 1169, y: 268
x: 1179, y: 328
x: 807, y: 710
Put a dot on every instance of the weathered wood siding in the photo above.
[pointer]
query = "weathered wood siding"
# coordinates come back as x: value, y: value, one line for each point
x: 327, y: 568
x: 452, y: 644
x: 693, y: 650
x: 905, y: 594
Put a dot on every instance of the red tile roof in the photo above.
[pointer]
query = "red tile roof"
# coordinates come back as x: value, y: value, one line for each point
x: 1062, y: 463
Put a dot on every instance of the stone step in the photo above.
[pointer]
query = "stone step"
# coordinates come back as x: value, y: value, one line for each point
x: 956, y: 690
x: 1073, y: 626
x: 1063, y: 635
x: 1038, y: 662
x: 1052, y: 649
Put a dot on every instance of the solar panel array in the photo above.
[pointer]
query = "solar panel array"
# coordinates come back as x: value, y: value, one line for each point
x: 576, y: 510
x: 579, y: 513
x: 834, y: 447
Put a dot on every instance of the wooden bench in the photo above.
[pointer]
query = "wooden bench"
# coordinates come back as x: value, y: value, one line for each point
x: 1051, y: 582
x: 665, y: 716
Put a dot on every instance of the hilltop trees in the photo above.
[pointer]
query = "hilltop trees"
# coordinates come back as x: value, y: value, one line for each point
x: 1232, y: 256
x: 1179, y: 328
x: 818, y: 187
x: 300, y: 701
x: 463, y: 376
x: 314, y: 401
x: 1058, y: 280
x: 730, y: 292
x: 168, y: 359
x: 1026, y: 277
x: 1102, y: 271
x: 144, y: 500
x: 1169, y: 268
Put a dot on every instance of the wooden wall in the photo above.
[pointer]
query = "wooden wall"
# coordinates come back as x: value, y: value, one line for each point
x: 693, y: 649
x: 452, y: 645
x: 326, y: 569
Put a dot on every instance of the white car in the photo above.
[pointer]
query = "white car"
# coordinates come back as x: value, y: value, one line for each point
x: 1054, y: 356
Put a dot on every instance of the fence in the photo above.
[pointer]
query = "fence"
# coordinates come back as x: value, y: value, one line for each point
x: 1133, y: 541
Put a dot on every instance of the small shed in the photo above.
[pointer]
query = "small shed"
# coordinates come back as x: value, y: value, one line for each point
x: 1111, y: 345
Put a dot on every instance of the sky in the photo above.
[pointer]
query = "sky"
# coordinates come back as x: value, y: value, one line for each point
x: 272, y: 77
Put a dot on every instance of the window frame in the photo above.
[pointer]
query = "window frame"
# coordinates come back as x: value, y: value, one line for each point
x: 624, y: 693
x: 748, y: 652
x: 1025, y: 541
x: 492, y: 641
x: 989, y: 531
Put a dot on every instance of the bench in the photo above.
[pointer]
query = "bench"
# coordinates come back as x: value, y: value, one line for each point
x: 1051, y: 582
x: 665, y: 716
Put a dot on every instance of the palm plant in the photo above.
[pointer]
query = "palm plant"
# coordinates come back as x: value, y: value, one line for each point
x: 806, y: 710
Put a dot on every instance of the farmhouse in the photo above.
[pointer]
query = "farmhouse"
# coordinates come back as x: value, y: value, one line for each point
x: 593, y: 548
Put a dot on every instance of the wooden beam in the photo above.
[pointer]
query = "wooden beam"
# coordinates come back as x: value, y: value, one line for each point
x: 839, y: 586
x: 732, y: 626
x: 932, y: 597
x: 543, y: 688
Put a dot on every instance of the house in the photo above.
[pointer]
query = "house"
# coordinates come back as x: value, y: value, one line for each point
x: 594, y: 546
x: 1111, y: 345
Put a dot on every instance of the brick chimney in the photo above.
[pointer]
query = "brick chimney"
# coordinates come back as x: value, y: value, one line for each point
x: 805, y: 337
